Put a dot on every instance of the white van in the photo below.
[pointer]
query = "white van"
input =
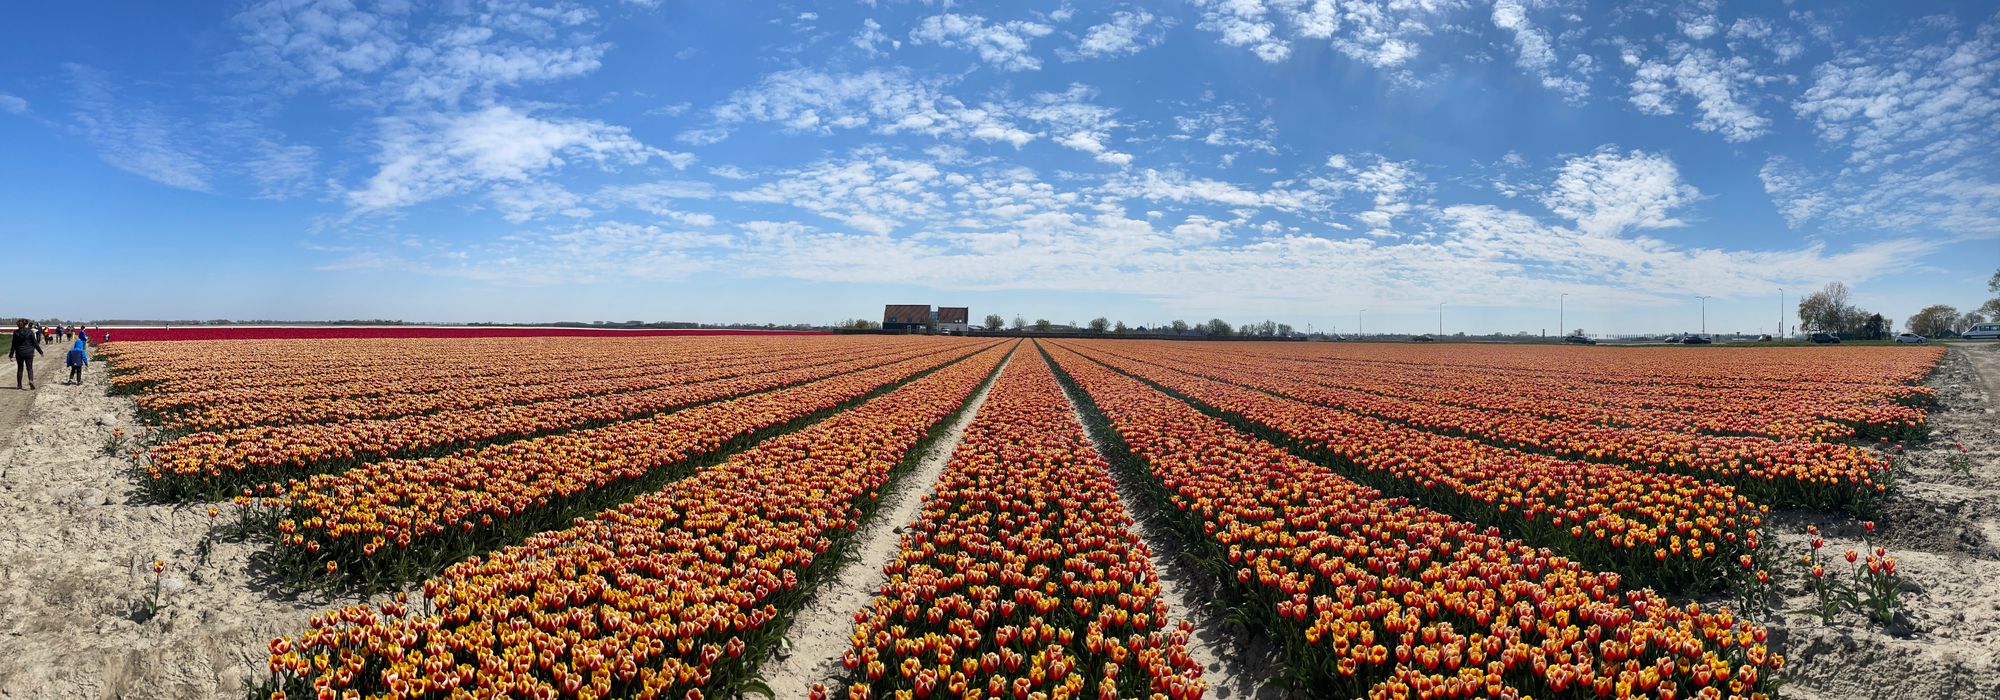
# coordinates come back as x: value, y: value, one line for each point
x: 1982, y: 331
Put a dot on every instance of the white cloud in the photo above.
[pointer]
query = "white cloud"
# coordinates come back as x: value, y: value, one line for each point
x: 282, y: 171
x: 1126, y: 33
x: 1533, y: 52
x: 1245, y: 23
x: 885, y: 102
x: 436, y: 155
x: 1004, y: 45
x: 12, y: 104
x: 1720, y: 88
x: 1385, y: 34
x: 871, y: 38
x: 133, y: 136
x: 1076, y: 123
x: 1607, y: 192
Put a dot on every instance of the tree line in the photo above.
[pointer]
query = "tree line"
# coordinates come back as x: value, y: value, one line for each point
x: 1829, y: 311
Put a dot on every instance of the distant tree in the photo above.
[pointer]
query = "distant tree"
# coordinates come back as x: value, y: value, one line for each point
x: 1099, y: 324
x: 1042, y: 325
x: 1875, y: 328
x: 1020, y: 323
x: 1826, y: 310
x: 1180, y: 326
x: 1266, y: 329
x: 1990, y: 309
x: 1966, y: 322
x: 1934, y: 321
x: 1119, y: 327
x: 1578, y: 332
x: 1217, y: 327
x: 860, y: 324
x: 1285, y: 329
x: 993, y: 322
x: 1993, y: 285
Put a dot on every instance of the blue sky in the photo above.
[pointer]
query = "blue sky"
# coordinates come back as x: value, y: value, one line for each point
x: 1298, y: 160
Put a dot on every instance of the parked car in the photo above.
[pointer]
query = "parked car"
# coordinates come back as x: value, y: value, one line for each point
x: 1579, y: 340
x: 1693, y: 339
x: 1982, y: 331
x: 1823, y: 337
x: 1765, y: 338
x: 1911, y: 338
x: 1423, y: 339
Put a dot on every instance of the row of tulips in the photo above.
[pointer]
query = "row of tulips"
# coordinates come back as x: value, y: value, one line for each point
x: 1369, y: 596
x: 1891, y: 370
x: 1787, y: 473
x: 395, y: 521
x: 529, y: 387
x: 1880, y: 406
x: 448, y: 367
x: 1656, y: 406
x: 1021, y: 575
x: 206, y: 365
x: 676, y: 594
x: 1672, y: 531
x: 223, y: 462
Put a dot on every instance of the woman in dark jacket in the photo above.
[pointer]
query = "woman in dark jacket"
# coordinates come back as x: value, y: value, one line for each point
x: 24, y: 349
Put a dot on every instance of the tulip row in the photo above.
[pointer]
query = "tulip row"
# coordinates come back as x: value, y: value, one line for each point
x: 394, y: 521
x: 1657, y: 407
x: 1370, y: 596
x: 1021, y: 575
x: 528, y: 387
x: 1792, y: 474
x: 1866, y: 389
x: 208, y: 464
x: 676, y: 594
x: 351, y: 373
x: 1666, y: 530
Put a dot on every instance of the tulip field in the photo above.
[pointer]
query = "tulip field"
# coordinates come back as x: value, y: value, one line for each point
x: 645, y: 517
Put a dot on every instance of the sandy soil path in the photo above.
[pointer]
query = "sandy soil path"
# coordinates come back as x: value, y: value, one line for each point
x: 76, y: 562
x: 1944, y: 529
x: 14, y: 403
x: 819, y: 633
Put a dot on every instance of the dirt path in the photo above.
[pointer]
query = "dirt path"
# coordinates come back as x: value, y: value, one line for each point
x: 819, y: 634
x: 14, y: 403
x: 1943, y: 527
x: 76, y: 561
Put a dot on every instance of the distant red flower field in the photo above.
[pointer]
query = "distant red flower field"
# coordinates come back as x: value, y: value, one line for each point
x: 325, y: 332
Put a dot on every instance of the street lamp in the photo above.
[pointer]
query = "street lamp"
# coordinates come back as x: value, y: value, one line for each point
x: 1781, y: 313
x: 1357, y: 322
x: 1440, y: 319
x: 1704, y: 315
x: 1562, y: 313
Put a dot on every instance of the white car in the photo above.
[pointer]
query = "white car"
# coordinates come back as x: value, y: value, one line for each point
x: 1982, y: 331
x: 1910, y: 338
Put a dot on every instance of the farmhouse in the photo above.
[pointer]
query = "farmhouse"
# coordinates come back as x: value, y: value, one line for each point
x: 906, y: 317
x: 954, y: 319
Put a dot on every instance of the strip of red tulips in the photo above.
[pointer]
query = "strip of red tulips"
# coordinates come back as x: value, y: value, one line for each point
x: 1369, y: 596
x: 220, y: 463
x: 1667, y: 530
x: 1021, y: 576
x: 1792, y: 474
x: 673, y: 595
x: 395, y: 521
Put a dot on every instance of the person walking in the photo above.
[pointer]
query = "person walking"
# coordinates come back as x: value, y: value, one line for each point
x: 78, y: 359
x: 23, y: 349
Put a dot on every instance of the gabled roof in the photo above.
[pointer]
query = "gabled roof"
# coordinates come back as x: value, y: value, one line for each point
x: 906, y: 313
x: 954, y: 314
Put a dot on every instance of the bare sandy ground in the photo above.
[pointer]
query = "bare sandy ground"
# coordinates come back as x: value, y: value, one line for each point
x: 76, y: 561
x: 1944, y: 529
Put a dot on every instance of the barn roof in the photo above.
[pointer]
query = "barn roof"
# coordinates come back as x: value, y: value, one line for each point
x: 906, y: 313
x: 954, y: 314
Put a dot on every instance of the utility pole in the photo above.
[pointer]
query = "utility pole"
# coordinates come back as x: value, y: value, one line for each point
x: 1781, y: 313
x: 1440, y: 319
x: 1704, y: 315
x: 1357, y: 322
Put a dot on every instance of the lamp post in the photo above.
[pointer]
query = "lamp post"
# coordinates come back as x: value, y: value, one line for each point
x: 1781, y: 313
x: 1704, y: 315
x: 1357, y: 322
x: 1562, y: 313
x: 1440, y: 319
